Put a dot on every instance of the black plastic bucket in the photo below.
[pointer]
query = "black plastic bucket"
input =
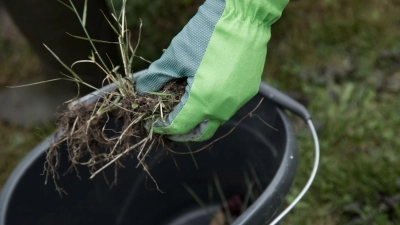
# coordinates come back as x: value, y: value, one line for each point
x: 252, y: 145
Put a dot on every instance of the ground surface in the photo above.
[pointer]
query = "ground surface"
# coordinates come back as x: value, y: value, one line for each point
x: 342, y: 60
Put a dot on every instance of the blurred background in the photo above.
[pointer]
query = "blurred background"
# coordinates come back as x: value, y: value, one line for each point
x: 339, y: 58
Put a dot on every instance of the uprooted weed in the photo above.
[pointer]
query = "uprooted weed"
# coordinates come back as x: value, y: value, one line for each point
x: 91, y: 143
x: 84, y: 132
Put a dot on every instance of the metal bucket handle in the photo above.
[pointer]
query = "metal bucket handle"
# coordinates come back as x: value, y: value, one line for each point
x: 298, y: 109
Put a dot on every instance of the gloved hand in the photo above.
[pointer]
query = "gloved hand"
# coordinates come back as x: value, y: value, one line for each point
x: 221, y: 51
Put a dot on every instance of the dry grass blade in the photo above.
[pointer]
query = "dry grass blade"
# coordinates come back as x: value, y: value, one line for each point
x: 117, y: 157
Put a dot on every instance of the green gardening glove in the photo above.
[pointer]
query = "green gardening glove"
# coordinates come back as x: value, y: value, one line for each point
x: 222, y: 52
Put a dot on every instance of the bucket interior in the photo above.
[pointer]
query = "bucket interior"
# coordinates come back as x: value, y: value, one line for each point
x: 251, y: 155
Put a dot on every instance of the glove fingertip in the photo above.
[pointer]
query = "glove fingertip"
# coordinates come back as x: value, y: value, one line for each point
x: 204, y: 131
x: 209, y: 131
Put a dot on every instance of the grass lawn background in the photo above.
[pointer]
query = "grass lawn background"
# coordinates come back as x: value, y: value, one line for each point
x: 340, y: 58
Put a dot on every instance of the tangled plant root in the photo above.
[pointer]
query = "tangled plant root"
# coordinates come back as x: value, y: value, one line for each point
x: 90, y: 142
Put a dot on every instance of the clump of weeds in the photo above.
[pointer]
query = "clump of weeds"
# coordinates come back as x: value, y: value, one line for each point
x: 83, y: 126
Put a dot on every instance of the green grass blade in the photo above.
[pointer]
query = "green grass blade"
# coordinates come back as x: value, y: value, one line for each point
x: 63, y: 64
x: 94, y: 40
x: 131, y: 59
x: 81, y: 82
x: 122, y: 11
x: 195, y: 196
x: 200, y: 202
x: 256, y: 178
x: 40, y: 82
x: 127, y: 44
x: 127, y: 40
x: 89, y: 85
x: 249, y: 194
x: 65, y: 4
x: 137, y: 45
x: 224, y: 201
x: 160, y: 94
x: 87, y: 34
x: 247, y: 197
x: 84, y: 14
x: 112, y: 7
x: 109, y: 22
